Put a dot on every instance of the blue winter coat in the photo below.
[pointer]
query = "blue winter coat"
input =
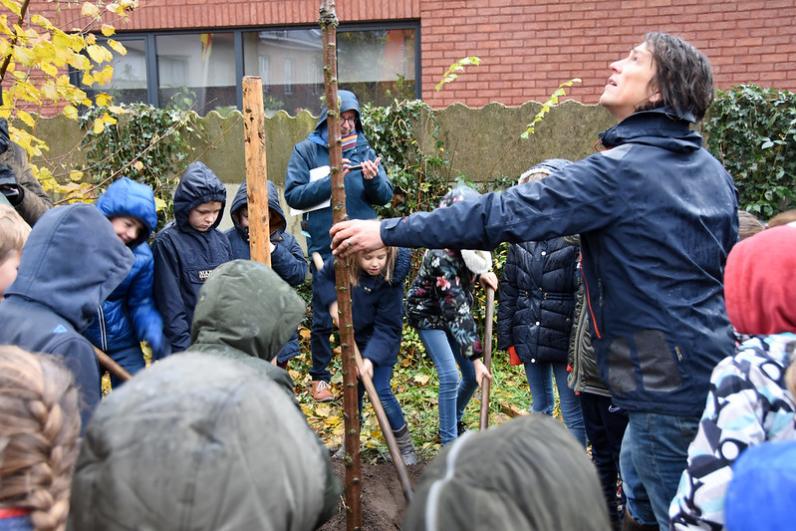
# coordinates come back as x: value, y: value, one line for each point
x: 129, y: 315
x: 376, y: 308
x: 287, y: 259
x: 537, y: 300
x: 71, y: 262
x: 657, y: 216
x: 361, y: 194
x: 185, y: 257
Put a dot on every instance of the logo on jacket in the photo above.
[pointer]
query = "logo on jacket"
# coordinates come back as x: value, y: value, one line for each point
x: 203, y: 275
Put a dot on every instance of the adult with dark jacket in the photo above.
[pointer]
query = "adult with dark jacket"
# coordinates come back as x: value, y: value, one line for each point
x: 17, y: 183
x: 528, y: 473
x: 657, y: 215
x: 129, y: 315
x: 308, y: 187
x: 537, y: 300
x: 287, y: 257
x: 188, y: 249
x: 246, y: 312
x: 201, y: 443
x: 71, y: 262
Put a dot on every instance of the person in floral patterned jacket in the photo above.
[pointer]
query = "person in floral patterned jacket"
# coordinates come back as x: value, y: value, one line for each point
x: 439, y: 306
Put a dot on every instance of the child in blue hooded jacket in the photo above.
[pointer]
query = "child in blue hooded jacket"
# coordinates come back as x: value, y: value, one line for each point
x: 287, y: 257
x: 188, y: 249
x: 129, y: 315
x: 377, y: 279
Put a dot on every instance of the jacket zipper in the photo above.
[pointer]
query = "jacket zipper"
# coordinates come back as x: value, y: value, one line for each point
x: 103, y: 331
x: 588, y: 299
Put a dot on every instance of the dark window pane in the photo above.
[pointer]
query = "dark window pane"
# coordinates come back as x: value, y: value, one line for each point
x: 290, y: 65
x: 378, y: 65
x: 198, y: 67
x: 128, y: 84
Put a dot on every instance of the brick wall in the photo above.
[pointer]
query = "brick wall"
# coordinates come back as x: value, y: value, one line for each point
x: 527, y: 47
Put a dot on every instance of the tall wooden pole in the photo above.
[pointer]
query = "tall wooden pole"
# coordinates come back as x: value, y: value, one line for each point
x: 256, y: 170
x: 490, y: 315
x: 353, y: 470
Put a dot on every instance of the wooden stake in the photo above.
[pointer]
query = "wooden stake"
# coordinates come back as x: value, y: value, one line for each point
x: 107, y: 363
x: 256, y: 170
x: 353, y: 468
x: 490, y: 314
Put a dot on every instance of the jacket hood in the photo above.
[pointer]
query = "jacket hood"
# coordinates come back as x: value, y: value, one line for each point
x: 759, y: 288
x: 197, y: 185
x: 199, y: 442
x: 348, y: 102
x: 71, y: 262
x: 126, y: 197
x: 241, y: 200
x: 246, y: 306
x: 481, y: 481
x: 660, y: 127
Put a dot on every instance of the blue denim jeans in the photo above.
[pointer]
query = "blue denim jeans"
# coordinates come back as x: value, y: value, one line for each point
x: 382, y: 380
x: 131, y: 359
x: 540, y: 380
x: 454, y: 393
x: 321, y: 329
x: 653, y: 456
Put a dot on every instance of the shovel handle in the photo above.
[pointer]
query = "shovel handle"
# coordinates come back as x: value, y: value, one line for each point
x: 485, y: 383
x: 107, y: 363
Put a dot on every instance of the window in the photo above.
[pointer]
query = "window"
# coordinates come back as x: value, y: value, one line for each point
x: 288, y: 77
x: 129, y: 82
x: 265, y: 74
x: 199, y: 67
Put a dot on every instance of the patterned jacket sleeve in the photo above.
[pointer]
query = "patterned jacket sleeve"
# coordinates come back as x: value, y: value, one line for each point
x: 454, y: 305
x: 739, y: 400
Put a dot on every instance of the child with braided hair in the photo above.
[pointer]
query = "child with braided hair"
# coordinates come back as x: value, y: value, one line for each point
x: 39, y: 429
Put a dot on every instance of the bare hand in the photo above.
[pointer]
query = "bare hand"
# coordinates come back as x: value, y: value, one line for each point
x: 365, y: 368
x: 333, y: 313
x: 370, y: 168
x: 481, y: 371
x: 350, y: 237
x: 489, y: 280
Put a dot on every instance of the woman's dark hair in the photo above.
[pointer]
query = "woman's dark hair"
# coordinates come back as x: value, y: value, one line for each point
x: 683, y: 74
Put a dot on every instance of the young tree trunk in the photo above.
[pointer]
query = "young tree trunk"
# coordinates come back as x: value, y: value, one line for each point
x: 353, y: 475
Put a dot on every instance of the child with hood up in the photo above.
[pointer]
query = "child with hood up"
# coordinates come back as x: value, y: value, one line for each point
x: 287, y: 257
x: 188, y: 249
x: 129, y: 315
x: 748, y: 401
x: 439, y: 305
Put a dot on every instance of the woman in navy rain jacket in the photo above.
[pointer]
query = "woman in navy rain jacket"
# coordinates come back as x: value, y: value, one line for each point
x: 129, y: 315
x: 287, y: 257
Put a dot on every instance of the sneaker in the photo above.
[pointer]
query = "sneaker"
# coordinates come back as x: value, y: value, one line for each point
x: 321, y: 391
x: 461, y: 428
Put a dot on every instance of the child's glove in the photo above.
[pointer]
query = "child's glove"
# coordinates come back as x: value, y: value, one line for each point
x: 160, y: 347
x: 514, y: 359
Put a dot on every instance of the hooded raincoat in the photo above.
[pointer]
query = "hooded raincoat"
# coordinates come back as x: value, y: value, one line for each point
x: 201, y: 443
x: 184, y: 256
x: 361, y: 194
x: 129, y: 315
x: 71, y: 262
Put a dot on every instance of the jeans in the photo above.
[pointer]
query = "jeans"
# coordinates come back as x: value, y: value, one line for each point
x: 605, y: 425
x: 382, y: 380
x: 131, y: 359
x: 540, y: 380
x: 653, y: 457
x: 454, y: 393
x: 321, y: 329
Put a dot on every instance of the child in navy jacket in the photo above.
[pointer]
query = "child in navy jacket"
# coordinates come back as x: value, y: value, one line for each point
x: 129, y: 315
x: 377, y: 279
x: 188, y: 249
x: 287, y: 257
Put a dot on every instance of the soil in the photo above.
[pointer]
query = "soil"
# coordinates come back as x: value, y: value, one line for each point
x: 383, y: 501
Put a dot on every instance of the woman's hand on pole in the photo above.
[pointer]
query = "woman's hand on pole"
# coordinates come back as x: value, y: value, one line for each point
x: 481, y: 371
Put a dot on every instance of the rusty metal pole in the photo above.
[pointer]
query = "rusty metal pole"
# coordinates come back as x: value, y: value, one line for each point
x: 256, y: 170
x: 353, y: 467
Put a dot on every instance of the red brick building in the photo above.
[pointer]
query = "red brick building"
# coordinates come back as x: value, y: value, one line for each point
x: 397, y: 47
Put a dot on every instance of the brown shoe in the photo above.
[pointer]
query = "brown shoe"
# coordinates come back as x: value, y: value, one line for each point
x: 321, y: 391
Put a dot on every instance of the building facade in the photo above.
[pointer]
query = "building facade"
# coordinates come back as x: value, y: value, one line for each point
x: 201, y: 49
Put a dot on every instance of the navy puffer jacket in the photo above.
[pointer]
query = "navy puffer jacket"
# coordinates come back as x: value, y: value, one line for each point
x: 129, y: 315
x: 185, y: 257
x: 537, y: 300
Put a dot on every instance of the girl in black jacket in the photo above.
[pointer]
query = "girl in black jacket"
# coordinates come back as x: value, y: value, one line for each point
x: 537, y: 301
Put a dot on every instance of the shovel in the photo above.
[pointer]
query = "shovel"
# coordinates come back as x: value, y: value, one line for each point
x: 485, y: 384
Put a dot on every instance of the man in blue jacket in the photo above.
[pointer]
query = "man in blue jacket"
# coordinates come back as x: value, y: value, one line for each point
x: 71, y: 262
x: 657, y: 215
x: 287, y: 257
x: 308, y: 187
